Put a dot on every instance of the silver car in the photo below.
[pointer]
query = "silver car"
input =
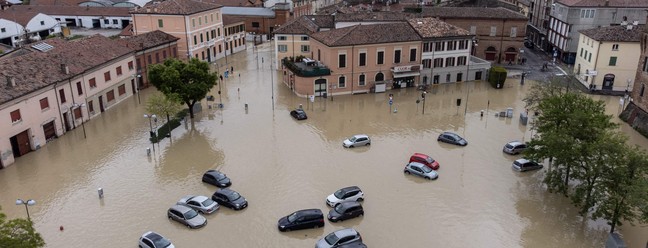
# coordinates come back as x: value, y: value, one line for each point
x: 357, y: 140
x: 514, y: 147
x: 186, y: 216
x: 339, y: 238
x: 154, y: 240
x: 421, y: 170
x: 525, y: 165
x: 202, y: 204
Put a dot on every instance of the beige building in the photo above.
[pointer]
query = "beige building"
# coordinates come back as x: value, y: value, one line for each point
x: 293, y: 38
x: 234, y: 35
x: 198, y: 25
x: 607, y: 57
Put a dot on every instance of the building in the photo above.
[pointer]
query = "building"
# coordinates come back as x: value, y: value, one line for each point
x: 446, y: 52
x: 198, y: 25
x: 293, y: 38
x: 234, y: 35
x: 260, y: 20
x: 636, y: 112
x: 19, y: 27
x: 607, y: 58
x: 302, y: 7
x: 538, y: 25
x: 114, y: 3
x: 569, y: 17
x: 357, y: 59
x: 150, y: 48
x: 77, y: 16
x: 54, y: 86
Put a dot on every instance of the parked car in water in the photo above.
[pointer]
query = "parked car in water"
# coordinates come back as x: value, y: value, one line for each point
x: 526, y: 165
x: 452, y: 138
x: 152, y: 239
x: 186, y: 216
x: 424, y: 159
x: 514, y: 147
x: 230, y: 198
x: 200, y: 203
x: 357, y: 244
x: 421, y: 170
x: 299, y: 114
x: 352, y: 193
x: 216, y: 178
x: 357, y: 140
x: 345, y: 211
x: 339, y: 238
x: 302, y: 219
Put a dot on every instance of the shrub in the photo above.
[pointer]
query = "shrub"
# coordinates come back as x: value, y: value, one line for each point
x: 497, y: 76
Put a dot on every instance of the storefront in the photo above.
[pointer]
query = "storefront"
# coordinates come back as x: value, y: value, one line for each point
x: 406, y: 76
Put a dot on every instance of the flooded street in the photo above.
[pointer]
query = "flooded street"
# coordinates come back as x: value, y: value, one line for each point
x: 281, y: 165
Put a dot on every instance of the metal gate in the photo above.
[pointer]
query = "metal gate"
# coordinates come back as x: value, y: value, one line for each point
x: 320, y: 87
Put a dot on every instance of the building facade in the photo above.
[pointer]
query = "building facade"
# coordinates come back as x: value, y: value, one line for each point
x: 78, y: 16
x: 293, y: 38
x: 22, y: 27
x: 234, y: 35
x: 607, y: 58
x: 150, y: 48
x: 636, y: 112
x: 538, y: 25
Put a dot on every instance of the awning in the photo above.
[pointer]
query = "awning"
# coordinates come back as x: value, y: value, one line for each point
x: 407, y: 74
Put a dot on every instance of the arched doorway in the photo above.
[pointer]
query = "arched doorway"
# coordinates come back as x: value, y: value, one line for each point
x: 510, y: 54
x: 379, y: 77
x: 320, y: 87
x: 490, y: 53
x: 608, y: 82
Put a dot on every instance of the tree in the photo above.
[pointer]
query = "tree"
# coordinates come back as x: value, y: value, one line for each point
x: 18, y: 233
x: 190, y: 82
x: 163, y: 105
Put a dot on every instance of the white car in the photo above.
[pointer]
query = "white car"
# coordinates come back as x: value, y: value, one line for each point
x: 352, y: 193
x: 202, y: 204
x: 154, y: 240
x: 357, y: 140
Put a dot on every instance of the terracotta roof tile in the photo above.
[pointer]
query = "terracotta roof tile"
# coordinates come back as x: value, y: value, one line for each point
x: 71, y: 10
x: 432, y: 28
x: 472, y: 13
x: 614, y: 33
x: 147, y: 40
x: 36, y: 70
x: 306, y: 24
x: 16, y: 15
x: 601, y: 3
x: 374, y: 16
x: 56, y: 2
x: 176, y: 7
x: 367, y: 34
x: 231, y: 19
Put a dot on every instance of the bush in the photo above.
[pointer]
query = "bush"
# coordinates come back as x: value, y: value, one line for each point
x: 497, y: 76
x: 164, y: 130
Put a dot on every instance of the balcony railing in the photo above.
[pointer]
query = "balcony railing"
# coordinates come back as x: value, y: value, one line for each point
x: 306, y: 69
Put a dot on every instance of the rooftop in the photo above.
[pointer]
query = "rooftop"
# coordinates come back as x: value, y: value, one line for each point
x: 248, y: 11
x: 306, y: 24
x: 472, y: 13
x: 367, y: 34
x: 176, y: 7
x: 605, y: 3
x: 374, y: 16
x: 432, y: 28
x: 66, y: 10
x: 147, y: 40
x: 614, y: 33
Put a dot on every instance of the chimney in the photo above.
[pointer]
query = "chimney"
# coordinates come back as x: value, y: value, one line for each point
x: 629, y: 27
x: 11, y: 81
x: 65, y: 69
x: 148, y: 10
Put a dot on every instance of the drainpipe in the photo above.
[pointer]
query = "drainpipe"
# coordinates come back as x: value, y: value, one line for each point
x: 187, y: 38
x: 352, y: 67
x: 59, y: 107
x: 73, y: 103
x: 598, y: 49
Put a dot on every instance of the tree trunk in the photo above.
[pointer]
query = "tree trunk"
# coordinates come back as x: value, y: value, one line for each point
x: 566, y: 183
x: 590, y: 188
x: 615, y: 216
x: 190, y: 105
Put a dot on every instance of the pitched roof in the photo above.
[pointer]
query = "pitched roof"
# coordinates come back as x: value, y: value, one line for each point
x: 432, y: 28
x: 36, y: 70
x: 374, y: 16
x: 147, y: 40
x: 367, y: 34
x: 604, y: 3
x: 21, y: 17
x: 176, y: 7
x: 56, y: 2
x: 127, y: 31
x: 299, y: 25
x: 614, y: 33
x: 229, y: 19
x: 472, y: 13
x: 71, y: 10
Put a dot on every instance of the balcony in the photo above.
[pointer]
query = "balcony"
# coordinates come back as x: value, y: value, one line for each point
x: 304, y: 67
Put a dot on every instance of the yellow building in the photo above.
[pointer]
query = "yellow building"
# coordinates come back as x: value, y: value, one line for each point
x: 292, y: 39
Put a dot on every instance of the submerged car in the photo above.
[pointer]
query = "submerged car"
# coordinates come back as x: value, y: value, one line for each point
x: 216, y: 178
x: 526, y: 165
x: 339, y: 238
x: 187, y: 216
x: 299, y: 114
x: 302, y: 219
x: 230, y: 198
x: 425, y: 159
x: 421, y: 170
x: 152, y: 239
x: 345, y: 211
x: 200, y: 203
x: 514, y: 147
x: 357, y: 140
x: 452, y: 138
x: 352, y: 193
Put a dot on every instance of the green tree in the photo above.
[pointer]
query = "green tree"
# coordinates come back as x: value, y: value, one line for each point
x: 189, y: 82
x: 18, y: 233
x: 164, y: 105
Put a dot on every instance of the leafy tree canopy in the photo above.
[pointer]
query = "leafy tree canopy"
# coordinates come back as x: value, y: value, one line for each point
x: 18, y: 233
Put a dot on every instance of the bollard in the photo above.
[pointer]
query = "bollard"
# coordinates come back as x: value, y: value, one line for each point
x: 148, y: 151
x: 482, y: 113
x: 246, y: 106
x: 100, y: 191
x: 300, y: 106
x: 395, y: 109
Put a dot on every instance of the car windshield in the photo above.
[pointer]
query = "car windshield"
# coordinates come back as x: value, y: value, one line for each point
x: 233, y: 196
x: 331, y: 239
x: 339, y: 208
x: 292, y: 217
x: 160, y: 241
x: 429, y: 160
x: 207, y: 202
x: 426, y: 169
x: 509, y: 145
x: 191, y: 214
x: 352, y: 139
x: 220, y: 177
x: 339, y: 194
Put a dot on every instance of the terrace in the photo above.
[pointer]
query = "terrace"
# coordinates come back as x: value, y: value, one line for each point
x: 305, y: 67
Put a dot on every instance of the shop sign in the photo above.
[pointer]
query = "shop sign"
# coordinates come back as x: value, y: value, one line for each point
x: 407, y: 68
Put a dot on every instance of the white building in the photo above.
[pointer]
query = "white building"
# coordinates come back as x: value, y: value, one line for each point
x: 16, y: 27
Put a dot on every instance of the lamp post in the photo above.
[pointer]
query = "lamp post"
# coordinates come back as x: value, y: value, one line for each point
x: 74, y: 106
x: 27, y: 203
x: 154, y: 117
x: 423, y: 97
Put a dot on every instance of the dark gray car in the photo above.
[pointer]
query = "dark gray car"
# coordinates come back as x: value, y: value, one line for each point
x: 230, y: 198
x: 345, y: 211
x: 452, y: 138
x: 187, y: 216
x: 339, y: 238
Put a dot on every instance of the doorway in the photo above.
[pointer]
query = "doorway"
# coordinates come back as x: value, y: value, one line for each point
x: 101, y: 106
x: 320, y: 87
x: 608, y: 82
x: 490, y: 53
x: 478, y: 75
x: 66, y: 121
x: 20, y: 144
x: 49, y: 131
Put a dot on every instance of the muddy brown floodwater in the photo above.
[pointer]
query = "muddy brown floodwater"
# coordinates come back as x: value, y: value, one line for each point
x: 281, y: 165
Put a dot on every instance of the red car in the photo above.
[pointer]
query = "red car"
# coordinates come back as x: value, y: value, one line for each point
x: 425, y: 159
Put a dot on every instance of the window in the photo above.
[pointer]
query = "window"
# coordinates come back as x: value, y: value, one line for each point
x: 77, y: 113
x: 438, y: 62
x: 397, y: 56
x: 79, y: 88
x: 362, y: 80
x: 200, y: 21
x: 341, y: 82
x: 380, y: 57
x: 513, y: 31
x: 130, y: 65
x: 412, y: 54
x: 193, y: 22
x: 15, y: 116
x: 426, y: 47
x: 118, y: 70
x: 589, y: 59
x: 613, y: 61
x: 62, y: 95
x: 581, y: 53
x: 107, y: 76
x: 115, y: 21
x: 110, y: 95
x: 93, y: 83
x: 3, y: 30
x: 195, y: 42
x: 282, y: 37
x: 201, y: 38
x: 90, y: 107
x: 641, y: 92
x: 121, y: 89
x: 164, y: 55
x: 452, y: 45
x: 282, y: 48
x: 255, y: 24
x: 463, y: 44
x: 493, y: 31
x: 160, y: 23
x: 305, y: 48
x: 218, y: 32
x: 362, y: 59
x: 645, y: 64
x: 304, y: 38
x: 149, y: 59
x: 44, y: 103
x: 43, y: 23
x: 439, y: 46
x: 615, y: 47
x: 450, y: 61
x: 212, y: 17
x: 461, y: 60
x: 427, y: 63
x: 447, y: 77
x: 341, y: 60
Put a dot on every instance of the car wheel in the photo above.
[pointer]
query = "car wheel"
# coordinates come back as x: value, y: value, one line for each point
x: 428, y: 178
x: 407, y: 172
x: 368, y: 144
x: 287, y: 230
x: 351, y: 146
x: 188, y: 226
x: 169, y: 216
x: 360, y: 199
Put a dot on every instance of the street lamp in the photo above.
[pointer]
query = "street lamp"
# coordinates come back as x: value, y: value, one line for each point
x: 423, y: 97
x: 74, y: 106
x: 154, y: 117
x: 27, y: 203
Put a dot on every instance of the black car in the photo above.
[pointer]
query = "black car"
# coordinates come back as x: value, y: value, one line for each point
x: 302, y: 219
x: 216, y: 178
x: 345, y: 211
x: 298, y: 114
x: 452, y: 138
x: 230, y: 198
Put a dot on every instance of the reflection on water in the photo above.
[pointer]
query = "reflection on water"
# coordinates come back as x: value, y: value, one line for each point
x: 281, y: 165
